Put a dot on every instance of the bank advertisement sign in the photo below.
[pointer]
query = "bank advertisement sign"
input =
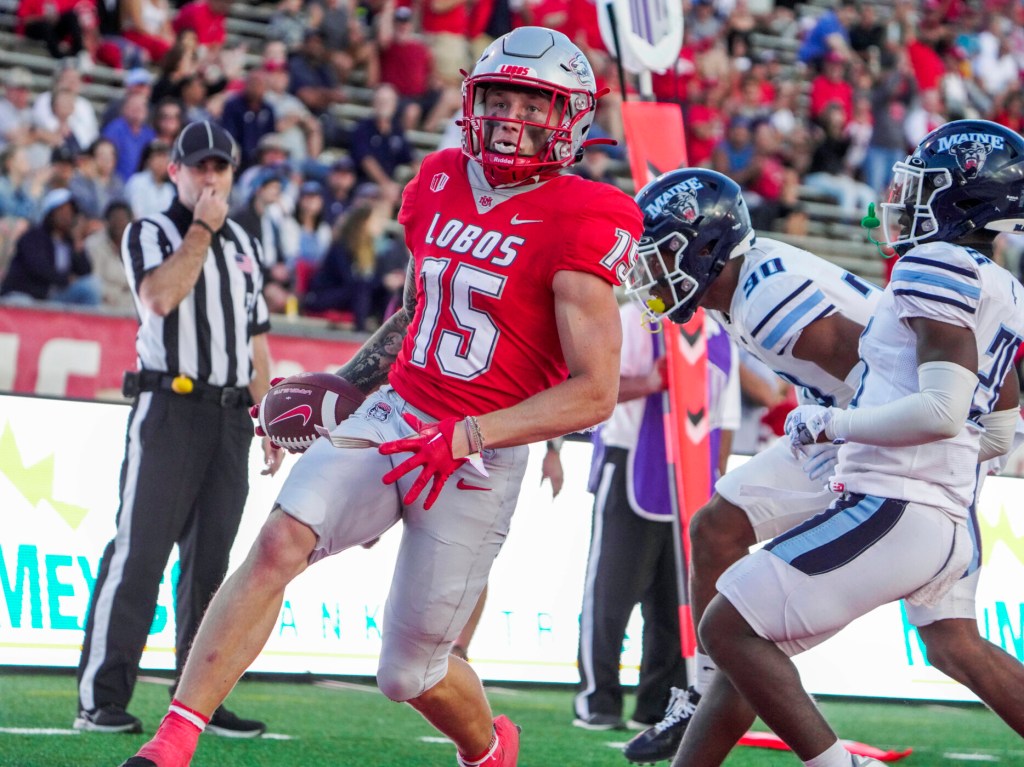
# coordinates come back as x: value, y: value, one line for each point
x: 59, y: 468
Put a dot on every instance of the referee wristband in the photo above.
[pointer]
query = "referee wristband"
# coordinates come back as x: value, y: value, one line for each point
x: 204, y: 225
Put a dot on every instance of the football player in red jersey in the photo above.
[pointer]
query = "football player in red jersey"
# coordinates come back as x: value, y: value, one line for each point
x: 509, y: 334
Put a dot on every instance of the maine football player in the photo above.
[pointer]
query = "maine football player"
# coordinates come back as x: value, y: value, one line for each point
x: 682, y: 274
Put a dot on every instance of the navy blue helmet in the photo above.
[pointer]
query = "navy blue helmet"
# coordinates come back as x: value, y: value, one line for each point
x: 966, y: 175
x: 694, y: 221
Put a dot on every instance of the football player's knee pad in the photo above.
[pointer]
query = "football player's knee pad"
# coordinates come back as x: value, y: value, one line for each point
x: 404, y: 678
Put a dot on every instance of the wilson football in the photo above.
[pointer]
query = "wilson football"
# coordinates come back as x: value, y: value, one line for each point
x: 297, y: 410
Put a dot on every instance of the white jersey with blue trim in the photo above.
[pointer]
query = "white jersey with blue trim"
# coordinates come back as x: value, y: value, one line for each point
x: 783, y: 289
x: 960, y: 287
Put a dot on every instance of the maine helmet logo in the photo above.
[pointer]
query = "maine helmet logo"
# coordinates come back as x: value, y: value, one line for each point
x: 970, y: 156
x: 684, y: 207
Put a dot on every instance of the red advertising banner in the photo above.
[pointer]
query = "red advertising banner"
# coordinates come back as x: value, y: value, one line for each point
x: 654, y: 135
x: 83, y: 356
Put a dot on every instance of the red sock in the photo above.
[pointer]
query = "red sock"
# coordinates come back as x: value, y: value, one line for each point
x: 176, y: 738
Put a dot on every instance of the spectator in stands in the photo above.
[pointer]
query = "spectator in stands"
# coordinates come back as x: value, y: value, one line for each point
x: 300, y: 130
x: 315, y: 83
x: 996, y: 65
x: 830, y: 172
x: 891, y: 94
x: 379, y: 145
x: 313, y: 229
x: 445, y: 25
x: 131, y: 133
x: 194, y: 100
x: 830, y: 34
x: 147, y: 25
x: 341, y: 183
x: 290, y: 20
x: 181, y: 61
x: 61, y: 134
x: 150, y: 191
x: 272, y: 156
x: 208, y: 19
x: 347, y: 279
x: 248, y: 117
x: 867, y: 34
x: 406, y: 63
x: 136, y: 80
x: 832, y: 87
x: 263, y: 220
x: 49, y: 262
x: 927, y: 114
x: 103, y: 248
x: 770, y: 187
x: 21, y: 187
x: 732, y: 155
x: 168, y: 120
x: 53, y: 22
x: 83, y: 117
x: 62, y: 168
x: 16, y: 123
x: 703, y: 23
x: 95, y: 183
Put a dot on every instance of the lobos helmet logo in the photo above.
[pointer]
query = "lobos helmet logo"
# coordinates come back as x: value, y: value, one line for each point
x: 971, y: 156
x: 578, y: 66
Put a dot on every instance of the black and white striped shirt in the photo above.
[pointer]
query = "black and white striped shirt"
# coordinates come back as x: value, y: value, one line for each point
x: 207, y: 337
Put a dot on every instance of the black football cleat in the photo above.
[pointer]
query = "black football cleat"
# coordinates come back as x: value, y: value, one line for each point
x: 227, y: 724
x: 138, y: 761
x: 109, y: 718
x: 660, y: 742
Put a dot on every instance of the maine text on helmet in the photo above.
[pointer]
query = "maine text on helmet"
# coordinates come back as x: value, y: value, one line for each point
x: 995, y: 142
x: 656, y: 207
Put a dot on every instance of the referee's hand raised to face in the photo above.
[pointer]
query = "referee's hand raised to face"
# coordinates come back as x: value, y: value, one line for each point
x: 211, y: 207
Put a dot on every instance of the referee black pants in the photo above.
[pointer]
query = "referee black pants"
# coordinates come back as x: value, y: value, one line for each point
x: 184, y: 480
x: 632, y: 560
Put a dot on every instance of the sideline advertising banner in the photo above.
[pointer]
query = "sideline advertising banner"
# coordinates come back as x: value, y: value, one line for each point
x: 59, y: 467
x: 69, y: 354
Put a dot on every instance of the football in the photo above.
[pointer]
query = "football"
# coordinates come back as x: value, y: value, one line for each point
x: 297, y: 410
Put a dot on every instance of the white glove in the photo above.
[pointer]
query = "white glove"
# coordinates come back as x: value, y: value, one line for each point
x: 821, y: 461
x: 805, y: 424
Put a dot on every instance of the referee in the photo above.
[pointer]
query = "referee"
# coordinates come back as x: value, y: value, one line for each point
x: 203, y: 359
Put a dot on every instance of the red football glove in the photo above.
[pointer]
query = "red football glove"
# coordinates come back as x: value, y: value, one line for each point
x: 431, y: 451
x: 254, y: 414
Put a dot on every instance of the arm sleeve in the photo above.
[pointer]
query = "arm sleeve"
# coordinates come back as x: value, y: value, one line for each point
x: 1000, y: 428
x: 938, y: 411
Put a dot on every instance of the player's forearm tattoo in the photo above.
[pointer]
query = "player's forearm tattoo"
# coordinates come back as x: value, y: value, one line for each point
x: 369, y: 368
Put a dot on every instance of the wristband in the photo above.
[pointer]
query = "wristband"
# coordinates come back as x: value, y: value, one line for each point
x: 473, y: 434
x: 204, y: 225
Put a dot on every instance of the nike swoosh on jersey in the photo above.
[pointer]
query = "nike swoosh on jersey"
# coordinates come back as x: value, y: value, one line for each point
x: 464, y: 485
x: 517, y: 220
x: 304, y: 410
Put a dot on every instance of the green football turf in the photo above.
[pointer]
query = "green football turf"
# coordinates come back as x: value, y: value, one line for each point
x: 345, y: 724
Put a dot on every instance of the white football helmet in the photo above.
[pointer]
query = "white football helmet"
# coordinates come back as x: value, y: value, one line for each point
x: 531, y: 59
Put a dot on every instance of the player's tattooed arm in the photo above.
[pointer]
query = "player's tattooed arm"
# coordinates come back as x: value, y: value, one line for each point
x: 369, y: 368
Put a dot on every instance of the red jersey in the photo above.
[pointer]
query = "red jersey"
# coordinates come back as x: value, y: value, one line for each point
x: 484, y: 335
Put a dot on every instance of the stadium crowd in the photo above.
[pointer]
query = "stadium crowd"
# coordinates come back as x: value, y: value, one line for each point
x: 326, y: 110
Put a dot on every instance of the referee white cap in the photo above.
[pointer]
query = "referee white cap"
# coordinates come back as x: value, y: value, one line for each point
x: 200, y: 140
